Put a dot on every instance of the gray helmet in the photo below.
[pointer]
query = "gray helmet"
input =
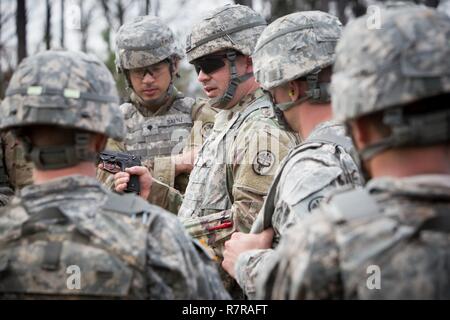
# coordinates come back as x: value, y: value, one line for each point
x: 384, y: 69
x: 297, y: 45
x: 144, y: 41
x: 65, y: 89
x: 231, y: 28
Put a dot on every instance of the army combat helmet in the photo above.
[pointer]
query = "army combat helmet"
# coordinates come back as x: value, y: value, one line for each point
x: 298, y: 45
x: 233, y: 28
x: 65, y: 89
x: 382, y: 70
x: 145, y: 41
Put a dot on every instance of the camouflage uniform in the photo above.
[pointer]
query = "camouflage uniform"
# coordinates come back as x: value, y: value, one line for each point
x: 398, y: 226
x: 143, y: 42
x: 122, y: 246
x: 326, y: 160
x: 236, y: 164
x: 15, y: 170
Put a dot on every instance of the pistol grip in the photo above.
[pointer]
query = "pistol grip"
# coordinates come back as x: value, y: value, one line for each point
x: 133, y: 185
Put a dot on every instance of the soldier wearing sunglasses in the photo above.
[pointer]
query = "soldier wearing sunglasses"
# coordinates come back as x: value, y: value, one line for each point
x: 237, y: 162
x: 158, y: 117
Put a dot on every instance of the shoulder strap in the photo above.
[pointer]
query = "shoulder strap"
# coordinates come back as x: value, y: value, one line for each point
x: 255, y: 106
x: 328, y: 137
x: 334, y: 139
x: 352, y: 204
x: 127, y: 204
x: 269, y: 205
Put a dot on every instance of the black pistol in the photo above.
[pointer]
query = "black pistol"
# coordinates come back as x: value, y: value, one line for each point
x: 113, y: 159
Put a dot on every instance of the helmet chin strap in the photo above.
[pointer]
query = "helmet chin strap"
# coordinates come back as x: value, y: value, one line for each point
x: 154, y: 103
x: 235, y: 81
x: 59, y: 157
x: 411, y: 131
x: 317, y: 92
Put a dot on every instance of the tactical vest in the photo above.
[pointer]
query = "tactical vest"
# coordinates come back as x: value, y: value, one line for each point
x: 44, y: 254
x: 208, y: 190
x: 314, y: 142
x: 158, y: 135
x: 379, y: 242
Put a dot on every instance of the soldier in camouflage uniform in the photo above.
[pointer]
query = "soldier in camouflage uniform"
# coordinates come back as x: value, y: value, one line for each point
x: 63, y: 106
x: 292, y: 59
x: 158, y: 118
x: 389, y: 240
x: 237, y: 162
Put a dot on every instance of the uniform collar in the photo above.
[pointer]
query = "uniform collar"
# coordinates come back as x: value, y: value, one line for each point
x: 64, y: 185
x: 423, y: 186
x: 226, y: 115
x: 146, y: 112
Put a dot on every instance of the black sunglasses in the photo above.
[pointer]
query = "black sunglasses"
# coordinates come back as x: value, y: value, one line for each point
x: 209, y: 64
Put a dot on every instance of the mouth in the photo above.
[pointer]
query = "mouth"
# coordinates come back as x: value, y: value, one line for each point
x: 210, y: 91
x: 150, y: 92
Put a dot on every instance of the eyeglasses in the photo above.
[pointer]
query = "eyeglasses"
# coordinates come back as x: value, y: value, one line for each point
x: 154, y: 70
x: 209, y: 64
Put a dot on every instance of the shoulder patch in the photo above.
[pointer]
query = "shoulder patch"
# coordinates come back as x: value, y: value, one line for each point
x: 206, y: 129
x: 263, y: 162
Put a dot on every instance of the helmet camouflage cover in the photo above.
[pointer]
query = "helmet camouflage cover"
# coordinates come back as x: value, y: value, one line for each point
x: 294, y: 46
x: 404, y: 61
x: 66, y: 89
x: 228, y: 27
x: 143, y: 42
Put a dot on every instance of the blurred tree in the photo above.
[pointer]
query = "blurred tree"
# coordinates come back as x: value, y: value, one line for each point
x: 21, y: 29
x: 110, y: 63
x: 62, y: 25
x: 87, y: 15
x: 48, y: 25
x: 7, y: 33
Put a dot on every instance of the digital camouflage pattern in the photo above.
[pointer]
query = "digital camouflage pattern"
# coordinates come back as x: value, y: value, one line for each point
x: 50, y: 88
x: 19, y: 170
x: 155, y: 136
x: 227, y: 27
x: 145, y: 41
x: 15, y: 170
x: 392, y: 66
x: 233, y: 171
x: 294, y: 46
x: 398, y: 226
x: 310, y: 172
x: 158, y: 136
x: 328, y: 255
x: 124, y: 247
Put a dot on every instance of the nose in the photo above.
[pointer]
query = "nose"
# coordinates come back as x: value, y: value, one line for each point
x: 202, y: 77
x: 148, y: 78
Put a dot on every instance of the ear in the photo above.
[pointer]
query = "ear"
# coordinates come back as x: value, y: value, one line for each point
x: 361, y: 133
x: 248, y: 64
x: 294, y: 90
x: 175, y: 64
x: 98, y: 142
